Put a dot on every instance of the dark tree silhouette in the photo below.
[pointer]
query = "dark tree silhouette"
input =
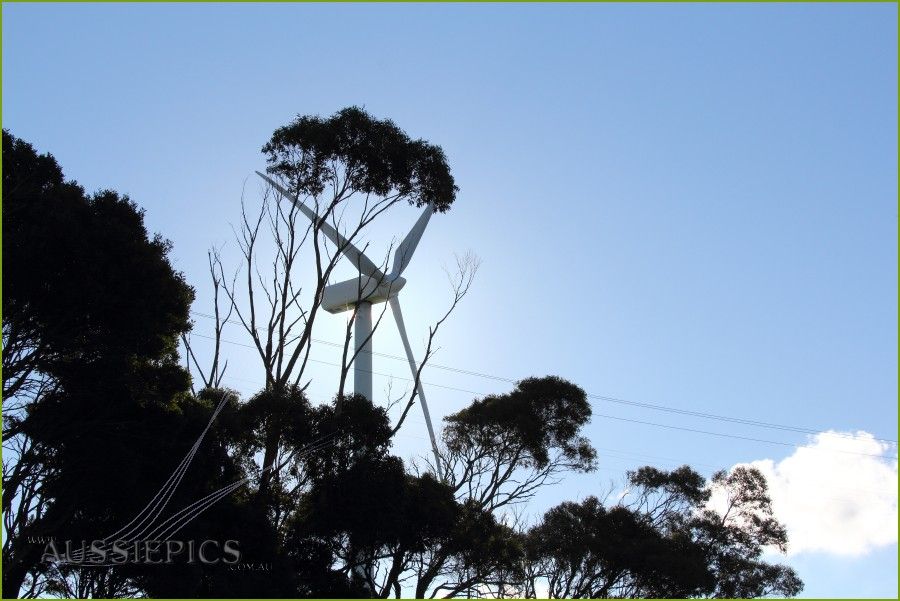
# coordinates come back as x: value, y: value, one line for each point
x: 501, y: 449
x: 92, y: 310
x: 369, y: 156
x: 663, y: 541
x: 349, y: 168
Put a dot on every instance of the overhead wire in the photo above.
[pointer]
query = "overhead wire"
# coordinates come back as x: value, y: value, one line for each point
x: 598, y: 397
x: 613, y: 417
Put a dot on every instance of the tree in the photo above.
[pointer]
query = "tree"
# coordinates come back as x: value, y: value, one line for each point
x: 498, y: 452
x: 225, y: 457
x: 356, y: 522
x: 363, y: 509
x: 736, y: 536
x: 83, y: 278
x: 663, y: 540
x: 349, y: 168
x: 92, y: 311
x: 532, y: 433
x: 362, y: 506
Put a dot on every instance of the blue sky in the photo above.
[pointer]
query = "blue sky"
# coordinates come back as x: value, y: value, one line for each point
x: 687, y: 205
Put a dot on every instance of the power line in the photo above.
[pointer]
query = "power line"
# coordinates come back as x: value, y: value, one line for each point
x: 732, y: 436
x: 604, y: 398
x: 385, y: 355
x: 332, y: 364
x: 613, y: 417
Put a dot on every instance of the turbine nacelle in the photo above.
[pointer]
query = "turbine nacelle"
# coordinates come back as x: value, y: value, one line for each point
x: 343, y: 296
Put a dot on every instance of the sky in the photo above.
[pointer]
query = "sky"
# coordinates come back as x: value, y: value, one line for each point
x: 693, y: 206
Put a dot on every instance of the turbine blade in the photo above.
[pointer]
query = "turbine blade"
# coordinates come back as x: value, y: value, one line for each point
x: 408, y: 246
x: 356, y: 256
x: 398, y: 317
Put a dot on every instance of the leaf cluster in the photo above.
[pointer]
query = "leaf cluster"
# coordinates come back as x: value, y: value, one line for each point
x: 374, y: 155
x: 541, y: 414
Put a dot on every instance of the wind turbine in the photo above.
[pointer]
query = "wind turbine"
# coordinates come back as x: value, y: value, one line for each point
x: 372, y: 286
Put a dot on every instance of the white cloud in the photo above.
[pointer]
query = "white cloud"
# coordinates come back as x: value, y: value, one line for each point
x: 837, y: 494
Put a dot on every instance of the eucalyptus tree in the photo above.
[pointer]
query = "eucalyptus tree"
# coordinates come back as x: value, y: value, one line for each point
x: 349, y: 169
x: 663, y: 539
x: 92, y: 312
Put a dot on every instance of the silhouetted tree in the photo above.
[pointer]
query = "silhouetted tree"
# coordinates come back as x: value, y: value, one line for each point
x: 498, y: 452
x: 361, y: 509
x: 349, y: 168
x: 736, y: 535
x: 92, y: 311
x: 663, y: 540
x: 501, y: 449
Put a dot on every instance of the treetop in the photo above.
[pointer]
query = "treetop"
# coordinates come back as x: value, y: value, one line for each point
x: 373, y: 155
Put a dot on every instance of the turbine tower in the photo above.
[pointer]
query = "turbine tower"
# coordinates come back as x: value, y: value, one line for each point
x: 371, y: 287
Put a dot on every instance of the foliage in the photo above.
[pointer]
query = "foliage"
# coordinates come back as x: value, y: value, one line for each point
x: 92, y: 310
x: 82, y: 276
x: 667, y: 542
x: 540, y: 414
x: 737, y: 535
x: 502, y: 448
x: 375, y: 155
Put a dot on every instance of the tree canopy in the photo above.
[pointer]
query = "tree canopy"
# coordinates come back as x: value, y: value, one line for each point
x: 664, y: 540
x: 92, y: 310
x: 375, y: 156
x: 540, y: 414
x: 81, y: 272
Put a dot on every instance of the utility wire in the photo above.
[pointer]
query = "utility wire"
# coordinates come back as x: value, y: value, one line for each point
x: 733, y: 436
x: 598, y: 397
x: 613, y: 417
